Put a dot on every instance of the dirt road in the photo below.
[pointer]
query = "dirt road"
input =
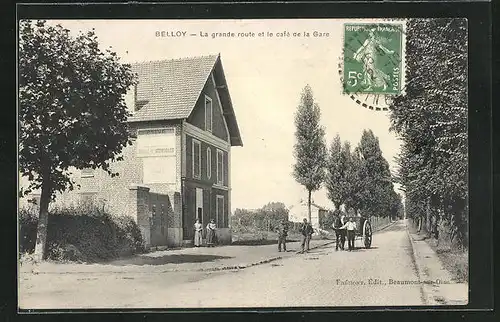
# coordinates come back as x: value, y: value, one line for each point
x: 383, y: 275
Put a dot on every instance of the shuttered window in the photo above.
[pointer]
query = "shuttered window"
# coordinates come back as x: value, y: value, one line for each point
x: 219, y: 211
x: 196, y: 159
x: 209, y: 163
x: 208, y: 114
x: 220, y: 167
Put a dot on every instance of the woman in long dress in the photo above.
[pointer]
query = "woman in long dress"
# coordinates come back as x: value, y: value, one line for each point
x: 198, y: 228
x: 211, y: 227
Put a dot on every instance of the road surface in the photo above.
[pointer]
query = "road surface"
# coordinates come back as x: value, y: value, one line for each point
x: 383, y: 275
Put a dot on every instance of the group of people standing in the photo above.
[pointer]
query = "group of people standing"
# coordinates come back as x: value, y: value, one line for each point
x: 344, y: 227
x: 211, y: 233
x: 306, y: 230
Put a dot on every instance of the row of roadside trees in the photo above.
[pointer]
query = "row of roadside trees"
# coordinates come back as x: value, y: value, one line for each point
x: 358, y: 177
x: 431, y: 119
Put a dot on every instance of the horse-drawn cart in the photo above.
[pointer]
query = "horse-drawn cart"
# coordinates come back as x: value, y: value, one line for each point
x: 363, y: 230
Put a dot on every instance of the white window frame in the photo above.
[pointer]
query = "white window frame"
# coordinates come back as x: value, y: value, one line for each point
x: 193, y: 143
x: 87, y: 172
x: 220, y: 154
x: 90, y: 196
x: 207, y: 128
x: 218, y: 200
x: 209, y: 163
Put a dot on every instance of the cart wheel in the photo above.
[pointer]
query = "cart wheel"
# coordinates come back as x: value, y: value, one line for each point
x: 367, y: 234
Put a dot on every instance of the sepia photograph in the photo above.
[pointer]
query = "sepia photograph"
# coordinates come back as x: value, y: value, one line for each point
x: 251, y: 163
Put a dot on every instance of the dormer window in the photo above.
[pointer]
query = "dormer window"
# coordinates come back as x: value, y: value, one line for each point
x: 208, y: 114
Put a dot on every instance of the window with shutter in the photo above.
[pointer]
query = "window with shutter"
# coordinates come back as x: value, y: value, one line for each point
x: 220, y: 167
x: 208, y: 114
x: 219, y: 205
x: 196, y: 159
x: 209, y: 163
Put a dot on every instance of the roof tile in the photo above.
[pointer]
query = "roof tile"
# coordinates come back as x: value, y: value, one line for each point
x: 169, y: 89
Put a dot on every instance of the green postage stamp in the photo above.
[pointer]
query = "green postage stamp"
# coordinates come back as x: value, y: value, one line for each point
x: 372, y: 58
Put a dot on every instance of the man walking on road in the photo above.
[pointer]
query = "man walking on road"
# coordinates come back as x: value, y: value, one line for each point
x: 282, y: 233
x: 307, y: 230
x: 351, y: 231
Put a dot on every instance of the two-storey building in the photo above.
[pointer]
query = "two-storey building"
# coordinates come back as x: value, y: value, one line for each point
x: 178, y: 167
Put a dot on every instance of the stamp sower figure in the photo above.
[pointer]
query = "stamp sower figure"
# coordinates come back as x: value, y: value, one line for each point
x: 211, y: 227
x: 351, y: 231
x: 339, y: 233
x: 282, y: 233
x: 198, y: 228
x: 307, y: 230
x: 367, y: 54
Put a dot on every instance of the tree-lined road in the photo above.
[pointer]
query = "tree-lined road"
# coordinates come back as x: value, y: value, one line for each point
x: 322, y: 277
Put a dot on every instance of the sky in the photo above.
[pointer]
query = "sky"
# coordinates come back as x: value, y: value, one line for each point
x: 265, y: 77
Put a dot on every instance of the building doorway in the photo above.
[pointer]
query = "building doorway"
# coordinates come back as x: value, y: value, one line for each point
x: 199, y: 209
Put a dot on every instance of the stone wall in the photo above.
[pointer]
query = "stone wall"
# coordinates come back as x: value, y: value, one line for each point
x: 151, y: 212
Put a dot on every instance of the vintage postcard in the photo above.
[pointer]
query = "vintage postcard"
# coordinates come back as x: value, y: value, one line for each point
x: 279, y: 163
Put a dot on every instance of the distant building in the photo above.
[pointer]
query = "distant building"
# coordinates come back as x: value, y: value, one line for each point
x: 298, y: 212
x: 178, y: 167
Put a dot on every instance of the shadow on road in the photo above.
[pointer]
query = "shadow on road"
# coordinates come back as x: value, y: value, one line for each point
x: 371, y: 247
x: 168, y: 259
x: 259, y: 242
x: 359, y: 249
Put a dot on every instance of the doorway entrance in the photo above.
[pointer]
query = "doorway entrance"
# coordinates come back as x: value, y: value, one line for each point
x: 199, y: 208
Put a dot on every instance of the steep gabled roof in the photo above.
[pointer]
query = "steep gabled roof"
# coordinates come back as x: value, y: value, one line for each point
x: 169, y: 90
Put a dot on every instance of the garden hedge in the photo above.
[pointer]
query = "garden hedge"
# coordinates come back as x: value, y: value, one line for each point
x: 81, y: 234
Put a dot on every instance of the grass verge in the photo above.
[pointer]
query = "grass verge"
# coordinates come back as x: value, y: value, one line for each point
x: 453, y: 259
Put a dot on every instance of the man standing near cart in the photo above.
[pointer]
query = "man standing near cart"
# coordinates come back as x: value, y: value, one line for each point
x: 351, y: 232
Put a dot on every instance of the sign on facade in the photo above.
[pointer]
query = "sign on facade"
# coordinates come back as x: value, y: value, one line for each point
x: 155, y: 142
x: 156, y: 147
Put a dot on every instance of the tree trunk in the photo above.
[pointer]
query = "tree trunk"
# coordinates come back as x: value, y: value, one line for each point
x: 428, y: 217
x: 43, y: 218
x: 309, y: 206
